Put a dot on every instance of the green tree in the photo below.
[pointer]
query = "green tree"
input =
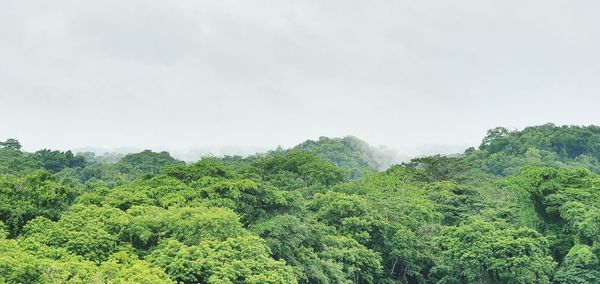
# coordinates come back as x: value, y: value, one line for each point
x: 243, y: 259
x: 11, y: 143
x: 55, y: 161
x: 480, y: 252
x: 37, y: 194
x: 145, y: 162
x: 580, y: 266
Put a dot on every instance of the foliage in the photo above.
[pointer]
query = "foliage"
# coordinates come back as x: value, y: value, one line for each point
x: 524, y: 207
x: 349, y: 153
x: 146, y: 162
x: 480, y: 252
x: 37, y: 194
x: 234, y: 260
x: 56, y: 161
x: 503, y: 152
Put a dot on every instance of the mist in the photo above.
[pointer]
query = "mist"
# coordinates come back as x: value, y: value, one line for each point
x: 239, y: 77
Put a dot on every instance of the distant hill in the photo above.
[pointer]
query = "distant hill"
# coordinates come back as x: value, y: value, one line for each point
x: 350, y: 153
x: 502, y: 151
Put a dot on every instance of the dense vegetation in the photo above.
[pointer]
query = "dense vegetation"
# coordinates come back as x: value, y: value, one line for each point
x: 523, y: 207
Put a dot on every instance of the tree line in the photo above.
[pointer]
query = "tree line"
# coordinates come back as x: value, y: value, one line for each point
x: 522, y: 207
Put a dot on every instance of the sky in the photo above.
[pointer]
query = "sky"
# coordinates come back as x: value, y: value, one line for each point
x: 241, y: 76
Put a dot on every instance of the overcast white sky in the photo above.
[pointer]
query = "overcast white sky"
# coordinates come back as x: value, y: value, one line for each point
x: 190, y: 74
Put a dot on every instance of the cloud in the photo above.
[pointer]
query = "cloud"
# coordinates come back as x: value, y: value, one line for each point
x: 188, y: 74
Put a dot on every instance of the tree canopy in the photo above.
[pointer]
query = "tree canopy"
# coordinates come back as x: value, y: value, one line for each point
x: 522, y: 207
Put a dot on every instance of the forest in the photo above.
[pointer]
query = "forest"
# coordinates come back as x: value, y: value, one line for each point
x: 521, y: 207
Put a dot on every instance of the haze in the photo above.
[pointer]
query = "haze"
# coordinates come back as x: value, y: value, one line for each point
x: 246, y: 75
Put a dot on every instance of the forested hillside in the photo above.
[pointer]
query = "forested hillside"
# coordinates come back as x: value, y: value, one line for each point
x: 522, y: 207
x: 350, y: 153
